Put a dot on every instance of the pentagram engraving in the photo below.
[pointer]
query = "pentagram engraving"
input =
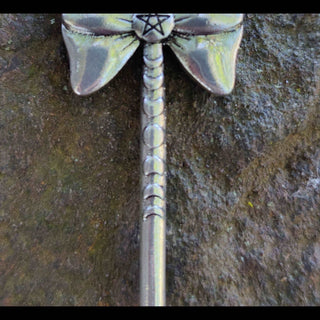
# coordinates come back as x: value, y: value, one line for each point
x: 153, y: 27
x: 153, y: 21
x: 99, y: 45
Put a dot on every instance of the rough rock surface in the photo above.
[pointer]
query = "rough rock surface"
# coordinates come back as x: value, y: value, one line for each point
x: 243, y: 217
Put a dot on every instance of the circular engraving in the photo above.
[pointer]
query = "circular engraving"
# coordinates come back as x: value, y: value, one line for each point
x: 153, y: 136
x: 153, y: 107
x: 153, y: 27
x: 153, y: 165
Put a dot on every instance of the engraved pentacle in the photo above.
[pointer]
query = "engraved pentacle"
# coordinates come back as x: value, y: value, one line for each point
x: 153, y: 27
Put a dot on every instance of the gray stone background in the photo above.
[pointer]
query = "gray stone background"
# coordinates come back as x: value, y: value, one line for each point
x: 243, y: 216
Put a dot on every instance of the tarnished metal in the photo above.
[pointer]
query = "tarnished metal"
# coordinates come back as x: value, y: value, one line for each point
x: 100, y: 44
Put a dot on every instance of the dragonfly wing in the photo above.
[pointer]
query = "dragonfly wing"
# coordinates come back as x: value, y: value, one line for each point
x: 95, y: 60
x: 203, y: 24
x: 98, y: 24
x: 210, y: 59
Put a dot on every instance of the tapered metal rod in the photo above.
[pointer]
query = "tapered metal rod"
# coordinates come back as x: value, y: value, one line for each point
x: 153, y: 180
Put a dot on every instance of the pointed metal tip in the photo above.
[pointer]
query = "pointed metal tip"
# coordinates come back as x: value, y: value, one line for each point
x: 78, y: 91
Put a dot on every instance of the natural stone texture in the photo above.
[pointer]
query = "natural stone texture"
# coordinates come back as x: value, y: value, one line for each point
x: 243, y: 188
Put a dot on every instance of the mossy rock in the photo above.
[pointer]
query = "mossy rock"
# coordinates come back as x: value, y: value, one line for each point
x: 243, y: 174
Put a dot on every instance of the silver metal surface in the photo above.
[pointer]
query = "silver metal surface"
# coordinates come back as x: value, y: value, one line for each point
x: 153, y: 179
x: 100, y: 44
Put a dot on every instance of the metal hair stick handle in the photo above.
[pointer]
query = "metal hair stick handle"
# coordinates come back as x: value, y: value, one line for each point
x: 100, y: 44
x: 153, y: 179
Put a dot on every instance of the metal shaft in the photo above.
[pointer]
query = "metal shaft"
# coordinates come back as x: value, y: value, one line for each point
x: 100, y: 44
x: 153, y: 179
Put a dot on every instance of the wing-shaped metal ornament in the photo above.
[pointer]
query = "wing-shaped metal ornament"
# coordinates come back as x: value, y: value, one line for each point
x: 207, y: 46
x: 98, y: 47
x: 100, y: 44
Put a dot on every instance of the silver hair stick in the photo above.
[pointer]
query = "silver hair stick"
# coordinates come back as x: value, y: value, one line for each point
x: 153, y: 179
x: 100, y: 44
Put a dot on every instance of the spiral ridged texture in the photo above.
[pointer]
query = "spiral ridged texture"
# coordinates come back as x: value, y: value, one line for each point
x: 153, y: 178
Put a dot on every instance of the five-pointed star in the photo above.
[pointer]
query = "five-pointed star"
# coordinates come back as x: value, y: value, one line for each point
x: 150, y: 25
